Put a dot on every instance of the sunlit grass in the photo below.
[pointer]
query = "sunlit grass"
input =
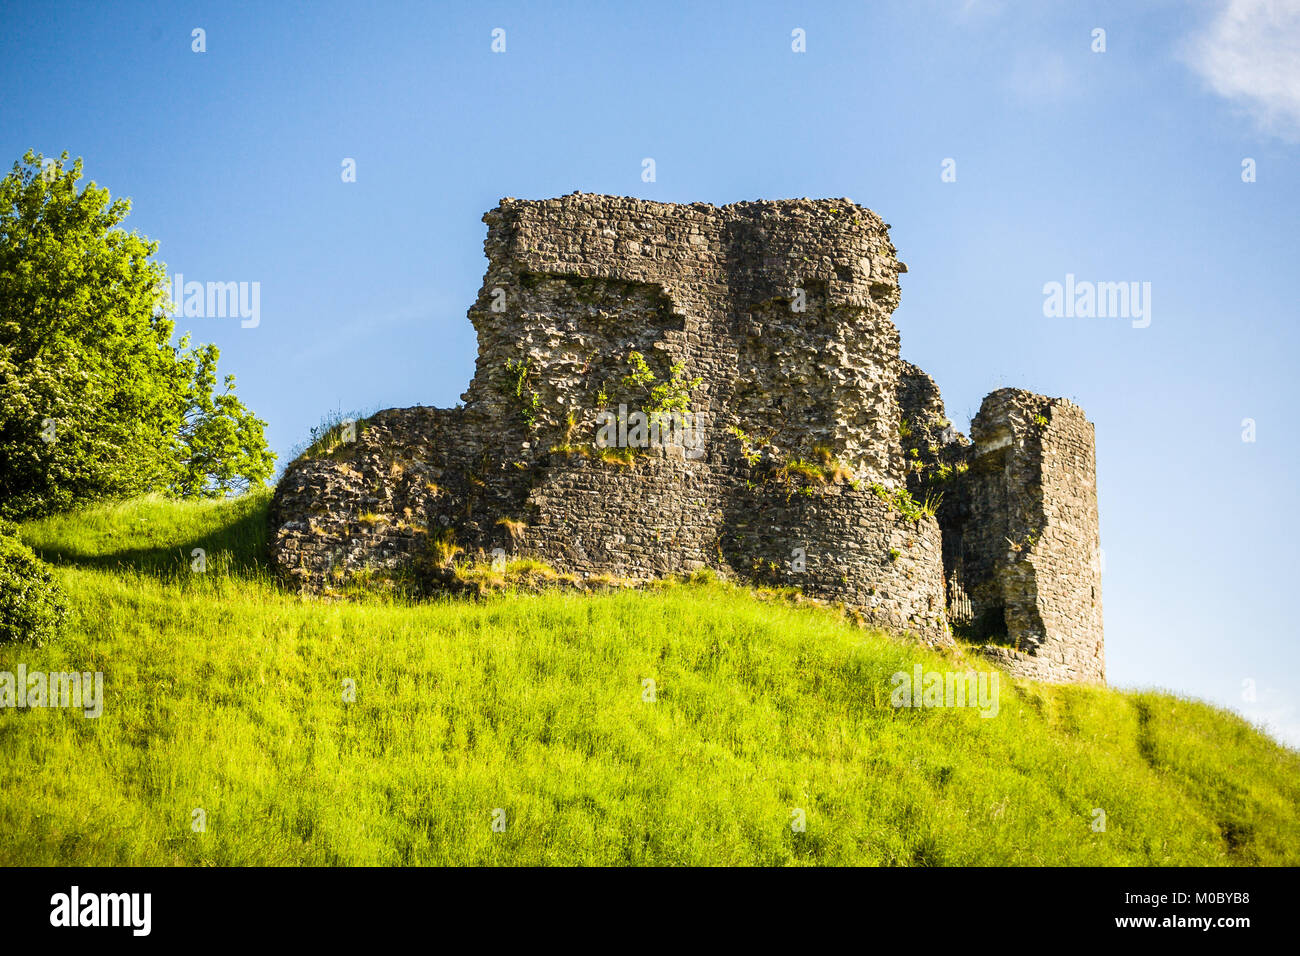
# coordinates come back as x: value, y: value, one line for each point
x: 223, y: 693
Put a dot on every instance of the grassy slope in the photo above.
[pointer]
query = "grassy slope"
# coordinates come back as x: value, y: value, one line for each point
x: 224, y: 693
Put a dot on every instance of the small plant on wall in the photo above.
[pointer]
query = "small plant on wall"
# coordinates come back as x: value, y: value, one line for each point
x: 527, y: 402
x: 672, y: 395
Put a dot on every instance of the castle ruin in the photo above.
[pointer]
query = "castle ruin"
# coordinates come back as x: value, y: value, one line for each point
x: 662, y: 388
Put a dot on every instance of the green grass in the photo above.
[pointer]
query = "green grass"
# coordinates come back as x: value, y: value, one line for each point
x: 225, y: 693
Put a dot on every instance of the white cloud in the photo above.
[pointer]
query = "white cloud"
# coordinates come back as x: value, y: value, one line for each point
x: 1249, y: 53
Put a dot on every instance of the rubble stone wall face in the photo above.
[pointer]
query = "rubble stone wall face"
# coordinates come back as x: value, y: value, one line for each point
x: 1021, y: 536
x: 773, y: 318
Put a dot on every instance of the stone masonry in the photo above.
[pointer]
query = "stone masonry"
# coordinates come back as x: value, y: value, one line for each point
x: 789, y: 443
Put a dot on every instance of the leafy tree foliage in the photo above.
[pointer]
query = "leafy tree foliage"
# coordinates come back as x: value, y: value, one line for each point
x: 95, y: 401
x: 33, y: 607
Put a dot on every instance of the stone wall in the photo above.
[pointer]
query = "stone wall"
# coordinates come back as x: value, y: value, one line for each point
x: 771, y: 323
x: 1021, y: 536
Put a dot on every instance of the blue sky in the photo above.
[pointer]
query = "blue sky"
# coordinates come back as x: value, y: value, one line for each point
x: 1117, y: 166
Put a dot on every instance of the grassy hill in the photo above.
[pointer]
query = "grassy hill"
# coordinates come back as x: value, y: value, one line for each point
x: 225, y: 694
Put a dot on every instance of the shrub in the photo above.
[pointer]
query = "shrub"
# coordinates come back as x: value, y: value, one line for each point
x: 32, y: 606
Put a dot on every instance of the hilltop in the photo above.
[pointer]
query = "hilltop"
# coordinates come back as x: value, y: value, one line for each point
x: 225, y: 693
x: 664, y: 388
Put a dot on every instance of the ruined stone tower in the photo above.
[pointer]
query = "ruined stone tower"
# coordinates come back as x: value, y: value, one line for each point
x: 781, y: 439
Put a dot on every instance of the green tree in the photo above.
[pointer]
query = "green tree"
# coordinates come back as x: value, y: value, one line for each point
x: 33, y: 608
x: 95, y: 401
x: 222, y: 446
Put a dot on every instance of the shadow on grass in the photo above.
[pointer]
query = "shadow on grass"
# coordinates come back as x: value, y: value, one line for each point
x: 232, y: 539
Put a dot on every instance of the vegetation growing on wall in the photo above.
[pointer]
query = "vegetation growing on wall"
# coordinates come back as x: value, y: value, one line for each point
x: 796, y: 473
x: 526, y: 401
x: 660, y: 398
x: 901, y: 500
